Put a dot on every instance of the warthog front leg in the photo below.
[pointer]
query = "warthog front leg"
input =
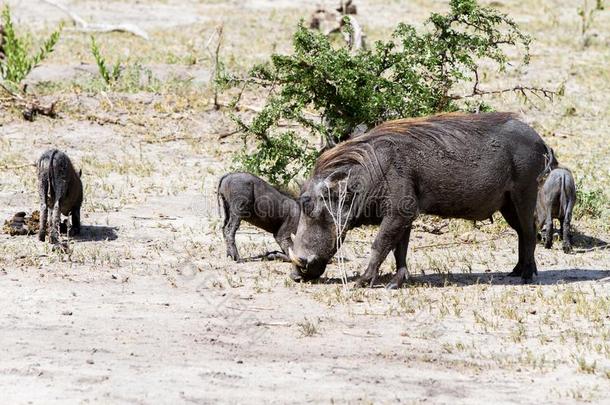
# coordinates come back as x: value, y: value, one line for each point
x: 391, y: 230
x: 75, y: 228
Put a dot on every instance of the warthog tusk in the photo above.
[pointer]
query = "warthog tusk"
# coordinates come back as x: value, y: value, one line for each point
x: 294, y: 258
x: 292, y: 237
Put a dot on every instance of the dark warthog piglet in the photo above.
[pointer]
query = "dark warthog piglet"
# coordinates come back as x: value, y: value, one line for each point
x: 452, y: 165
x: 245, y: 196
x: 60, y: 189
x: 556, y: 199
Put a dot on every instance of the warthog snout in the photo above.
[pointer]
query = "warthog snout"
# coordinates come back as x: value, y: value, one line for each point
x: 305, y: 268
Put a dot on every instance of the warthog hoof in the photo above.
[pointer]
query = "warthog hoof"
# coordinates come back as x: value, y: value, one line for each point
x: 365, y: 281
x: 517, y: 272
x: 527, y: 280
x: 567, y: 248
x: 393, y: 285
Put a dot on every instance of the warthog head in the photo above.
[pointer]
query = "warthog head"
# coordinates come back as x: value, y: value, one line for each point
x: 327, y: 206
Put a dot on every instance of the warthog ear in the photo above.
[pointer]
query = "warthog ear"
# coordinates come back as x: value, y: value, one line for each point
x: 334, y: 178
x: 350, y: 183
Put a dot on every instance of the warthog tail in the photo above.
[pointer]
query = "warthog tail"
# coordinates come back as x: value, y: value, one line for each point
x: 51, y: 186
x: 222, y: 202
x: 566, y: 197
x: 550, y: 163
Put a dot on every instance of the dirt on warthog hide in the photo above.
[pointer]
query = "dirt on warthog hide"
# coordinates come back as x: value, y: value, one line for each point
x: 22, y: 224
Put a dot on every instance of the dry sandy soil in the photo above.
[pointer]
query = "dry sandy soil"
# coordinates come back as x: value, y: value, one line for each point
x: 145, y: 308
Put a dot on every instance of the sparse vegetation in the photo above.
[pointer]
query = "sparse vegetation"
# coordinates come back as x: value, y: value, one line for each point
x: 587, y: 16
x: 16, y: 57
x: 307, y: 328
x: 590, y: 202
x: 109, y: 74
x: 149, y: 148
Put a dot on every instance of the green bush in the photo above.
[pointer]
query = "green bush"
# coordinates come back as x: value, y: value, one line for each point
x: 590, y: 202
x: 17, y: 61
x: 329, y: 90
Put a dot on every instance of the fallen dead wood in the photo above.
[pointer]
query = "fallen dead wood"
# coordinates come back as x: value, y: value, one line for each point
x: 84, y: 26
x: 30, y: 105
x: 360, y: 335
x: 355, y: 36
x: 329, y: 21
x: 259, y: 323
x: 227, y: 134
x: 252, y: 309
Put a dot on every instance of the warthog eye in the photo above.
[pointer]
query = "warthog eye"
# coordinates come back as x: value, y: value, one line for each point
x: 307, y: 205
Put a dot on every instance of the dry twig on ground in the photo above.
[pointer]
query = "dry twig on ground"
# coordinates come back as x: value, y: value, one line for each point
x: 84, y: 26
x: 30, y: 105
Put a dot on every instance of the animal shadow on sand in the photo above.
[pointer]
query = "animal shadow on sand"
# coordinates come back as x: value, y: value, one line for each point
x: 544, y: 277
x: 96, y: 233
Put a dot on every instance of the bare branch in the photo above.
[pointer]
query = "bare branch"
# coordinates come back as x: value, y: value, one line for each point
x: 227, y: 134
x: 216, y: 65
x: 84, y: 26
x: 537, y: 91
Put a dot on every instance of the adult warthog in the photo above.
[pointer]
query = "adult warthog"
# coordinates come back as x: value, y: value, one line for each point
x: 452, y: 165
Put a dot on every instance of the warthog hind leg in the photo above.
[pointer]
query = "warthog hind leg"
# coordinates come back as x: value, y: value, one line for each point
x: 548, y: 234
x: 229, y: 230
x: 400, y: 255
x: 524, y: 203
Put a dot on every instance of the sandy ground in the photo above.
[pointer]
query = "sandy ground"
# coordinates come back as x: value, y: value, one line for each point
x: 145, y: 308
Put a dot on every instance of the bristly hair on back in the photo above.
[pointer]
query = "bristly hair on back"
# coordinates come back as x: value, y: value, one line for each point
x: 360, y: 151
